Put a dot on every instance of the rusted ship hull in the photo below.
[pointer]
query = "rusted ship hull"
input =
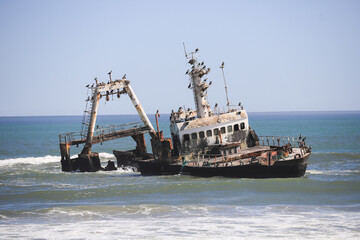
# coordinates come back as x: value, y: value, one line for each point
x: 280, y: 169
x: 151, y: 167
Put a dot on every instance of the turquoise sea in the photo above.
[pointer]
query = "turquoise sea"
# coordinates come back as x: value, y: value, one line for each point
x: 38, y: 201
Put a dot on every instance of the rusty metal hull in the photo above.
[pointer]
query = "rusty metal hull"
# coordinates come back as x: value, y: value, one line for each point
x: 153, y: 167
x: 280, y: 169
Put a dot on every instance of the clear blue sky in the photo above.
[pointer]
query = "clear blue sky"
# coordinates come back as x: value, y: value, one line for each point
x: 279, y: 55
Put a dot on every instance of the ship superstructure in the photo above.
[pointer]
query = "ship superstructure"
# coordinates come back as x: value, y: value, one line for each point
x: 203, y: 130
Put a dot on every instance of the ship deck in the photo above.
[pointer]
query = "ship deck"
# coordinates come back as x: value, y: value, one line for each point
x: 244, y: 157
x: 254, y: 149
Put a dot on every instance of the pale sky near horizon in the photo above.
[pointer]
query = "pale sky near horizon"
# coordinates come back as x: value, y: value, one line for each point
x: 279, y: 55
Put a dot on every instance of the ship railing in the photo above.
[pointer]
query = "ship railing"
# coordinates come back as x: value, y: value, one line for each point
x: 278, y: 141
x: 214, y: 160
x: 70, y: 137
x: 99, y: 132
x: 231, y: 108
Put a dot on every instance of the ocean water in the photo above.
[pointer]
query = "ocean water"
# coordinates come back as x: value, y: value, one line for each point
x: 38, y: 201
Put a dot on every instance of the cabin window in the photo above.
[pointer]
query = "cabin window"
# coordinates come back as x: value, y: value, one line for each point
x: 208, y: 133
x: 216, y: 131
x: 242, y: 125
x: 229, y: 129
x: 194, y: 136
x: 223, y: 130
x: 238, y: 113
x: 236, y: 127
x: 201, y: 134
x: 186, y: 137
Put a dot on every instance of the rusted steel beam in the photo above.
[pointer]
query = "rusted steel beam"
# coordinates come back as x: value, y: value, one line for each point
x: 139, y: 109
x: 93, y: 116
x: 140, y: 144
x: 66, y: 164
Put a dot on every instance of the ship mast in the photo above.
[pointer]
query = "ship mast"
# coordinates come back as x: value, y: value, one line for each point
x: 199, y: 86
x: 227, y: 98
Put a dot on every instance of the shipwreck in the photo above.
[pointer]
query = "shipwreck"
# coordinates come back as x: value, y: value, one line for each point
x: 204, y: 142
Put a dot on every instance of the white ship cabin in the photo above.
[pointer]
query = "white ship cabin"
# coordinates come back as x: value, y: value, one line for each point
x: 191, y: 134
x: 203, y: 131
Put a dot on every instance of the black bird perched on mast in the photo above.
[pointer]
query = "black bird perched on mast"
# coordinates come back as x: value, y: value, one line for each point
x: 202, y: 63
x: 124, y: 77
x: 189, y: 85
x: 196, y: 50
x: 210, y: 82
x: 187, y: 72
x: 87, y: 85
x: 110, y: 76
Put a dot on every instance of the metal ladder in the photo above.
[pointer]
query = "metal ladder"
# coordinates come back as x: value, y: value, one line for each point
x: 87, y: 113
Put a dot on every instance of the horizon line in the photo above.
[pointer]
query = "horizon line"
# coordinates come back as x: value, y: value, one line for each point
x: 300, y: 111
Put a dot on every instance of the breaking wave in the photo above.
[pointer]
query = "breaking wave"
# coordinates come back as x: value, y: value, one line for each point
x: 186, y: 222
x: 46, y: 159
x: 29, y: 160
x: 333, y: 172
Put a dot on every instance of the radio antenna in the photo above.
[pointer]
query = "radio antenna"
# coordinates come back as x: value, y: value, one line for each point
x: 185, y: 51
x: 227, y: 98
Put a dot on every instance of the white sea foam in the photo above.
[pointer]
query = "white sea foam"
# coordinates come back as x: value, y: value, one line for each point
x: 29, y: 160
x: 333, y: 172
x: 229, y: 222
x: 120, y: 170
x: 45, y: 159
x: 106, y: 155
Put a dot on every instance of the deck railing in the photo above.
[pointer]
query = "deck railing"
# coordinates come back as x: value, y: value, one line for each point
x: 278, y: 141
x: 99, y: 132
x: 222, y: 160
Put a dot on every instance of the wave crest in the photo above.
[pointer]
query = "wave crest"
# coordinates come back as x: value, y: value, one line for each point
x: 43, y: 160
x: 29, y: 160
